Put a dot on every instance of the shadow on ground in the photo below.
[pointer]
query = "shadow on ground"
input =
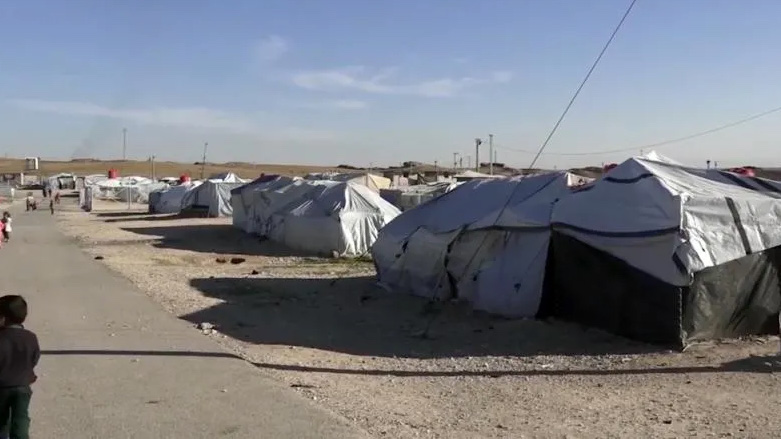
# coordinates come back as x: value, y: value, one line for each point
x: 747, y: 365
x: 213, y: 238
x: 143, y: 217
x: 352, y: 315
x: 127, y: 214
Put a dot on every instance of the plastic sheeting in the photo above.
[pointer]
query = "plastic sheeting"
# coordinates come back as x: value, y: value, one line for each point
x: 320, y: 217
x: 133, y: 189
x: 668, y: 221
x: 242, y: 198
x: 169, y: 199
x: 372, y: 181
x: 213, y: 195
x: 485, y: 242
x: 406, y: 198
x: 597, y: 289
x: 667, y: 254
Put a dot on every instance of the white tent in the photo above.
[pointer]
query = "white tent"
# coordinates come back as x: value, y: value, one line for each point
x: 407, y: 197
x: 322, y: 217
x: 242, y: 198
x: 227, y: 177
x: 485, y: 242
x: 134, y: 188
x: 169, y: 199
x: 372, y: 181
x: 271, y: 200
x: 213, y: 196
x: 663, y: 253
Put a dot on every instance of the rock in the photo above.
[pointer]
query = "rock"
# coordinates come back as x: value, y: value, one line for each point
x: 99, y: 258
x: 205, y: 326
x: 221, y: 260
x: 255, y: 272
x: 236, y: 261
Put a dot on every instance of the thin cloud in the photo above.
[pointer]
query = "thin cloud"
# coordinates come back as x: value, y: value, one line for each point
x: 359, y: 78
x: 271, y: 48
x: 343, y: 104
x: 195, y: 117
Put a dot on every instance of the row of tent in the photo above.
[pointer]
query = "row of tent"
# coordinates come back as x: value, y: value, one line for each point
x: 326, y: 217
x: 653, y: 250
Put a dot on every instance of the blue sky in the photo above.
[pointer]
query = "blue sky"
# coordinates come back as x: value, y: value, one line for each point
x: 360, y: 82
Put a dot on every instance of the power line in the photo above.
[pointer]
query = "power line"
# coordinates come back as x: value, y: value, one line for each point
x: 657, y: 144
x: 583, y: 83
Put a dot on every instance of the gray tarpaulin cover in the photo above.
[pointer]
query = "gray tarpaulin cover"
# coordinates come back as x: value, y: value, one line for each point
x: 320, y: 217
x: 485, y: 242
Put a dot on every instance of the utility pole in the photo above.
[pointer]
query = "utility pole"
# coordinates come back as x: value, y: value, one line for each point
x: 469, y: 161
x: 491, y: 154
x: 455, y: 160
x: 460, y: 162
x: 203, y: 161
x: 495, y: 160
x: 436, y: 168
x: 124, y: 143
x: 154, y: 176
x: 478, y: 142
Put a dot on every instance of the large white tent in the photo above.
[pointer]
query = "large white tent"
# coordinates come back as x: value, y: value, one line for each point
x: 213, y: 196
x: 169, y: 199
x: 133, y: 188
x: 663, y: 253
x: 485, y: 242
x: 321, y: 217
x: 242, y: 198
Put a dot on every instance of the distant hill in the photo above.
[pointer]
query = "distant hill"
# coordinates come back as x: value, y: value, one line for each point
x: 87, y: 166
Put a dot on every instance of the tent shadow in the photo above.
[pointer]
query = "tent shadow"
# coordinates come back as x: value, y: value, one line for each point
x: 144, y: 217
x: 120, y: 214
x: 213, y: 238
x: 352, y: 315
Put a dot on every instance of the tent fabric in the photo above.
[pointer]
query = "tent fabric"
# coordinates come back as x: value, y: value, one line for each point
x: 214, y: 196
x: 663, y: 253
x: 407, y: 197
x: 321, y: 217
x: 227, y: 177
x: 372, y: 181
x: 134, y: 189
x: 484, y: 242
x: 169, y: 199
x: 670, y: 212
x: 242, y: 198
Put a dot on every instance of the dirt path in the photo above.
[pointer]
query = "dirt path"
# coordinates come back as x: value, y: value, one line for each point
x: 116, y: 365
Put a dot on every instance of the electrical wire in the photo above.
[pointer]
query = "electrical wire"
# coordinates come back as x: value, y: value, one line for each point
x: 553, y: 131
x: 582, y: 84
x: 657, y: 144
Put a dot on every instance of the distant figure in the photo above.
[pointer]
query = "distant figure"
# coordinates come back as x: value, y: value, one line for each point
x: 51, y: 205
x: 19, y: 354
x: 57, y: 197
x: 31, y: 203
x: 7, y: 226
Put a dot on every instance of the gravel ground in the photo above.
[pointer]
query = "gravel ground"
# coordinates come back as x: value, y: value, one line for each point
x: 324, y: 329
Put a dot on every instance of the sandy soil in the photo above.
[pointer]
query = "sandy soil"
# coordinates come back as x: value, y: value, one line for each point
x: 322, y: 327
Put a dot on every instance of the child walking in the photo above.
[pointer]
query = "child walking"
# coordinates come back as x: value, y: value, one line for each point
x: 19, y: 354
x: 7, y: 229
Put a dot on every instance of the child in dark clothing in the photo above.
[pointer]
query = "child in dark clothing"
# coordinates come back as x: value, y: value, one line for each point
x: 19, y: 354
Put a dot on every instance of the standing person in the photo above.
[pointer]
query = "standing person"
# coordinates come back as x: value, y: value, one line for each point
x: 31, y: 205
x: 7, y: 226
x: 51, y: 204
x: 19, y: 354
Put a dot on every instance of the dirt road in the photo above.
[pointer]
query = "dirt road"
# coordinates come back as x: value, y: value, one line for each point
x: 115, y: 365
